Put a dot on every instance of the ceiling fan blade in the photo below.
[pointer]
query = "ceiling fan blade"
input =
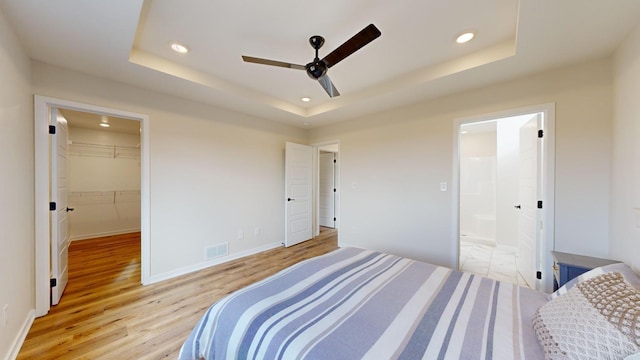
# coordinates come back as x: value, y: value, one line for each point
x: 328, y: 86
x: 357, y: 41
x: 272, y: 62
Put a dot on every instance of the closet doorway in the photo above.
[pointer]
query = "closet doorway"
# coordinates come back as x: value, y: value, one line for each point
x: 70, y: 195
x: 104, y: 175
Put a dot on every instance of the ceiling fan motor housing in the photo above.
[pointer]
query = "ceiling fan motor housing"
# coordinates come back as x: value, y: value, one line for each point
x: 316, y: 69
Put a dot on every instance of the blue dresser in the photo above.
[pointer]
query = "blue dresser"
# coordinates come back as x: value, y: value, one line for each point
x: 567, y: 266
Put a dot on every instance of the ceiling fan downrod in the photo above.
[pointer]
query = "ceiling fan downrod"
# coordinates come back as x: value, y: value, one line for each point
x: 317, y: 68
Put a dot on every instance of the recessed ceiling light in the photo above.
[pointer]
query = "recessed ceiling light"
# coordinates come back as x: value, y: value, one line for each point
x: 104, y: 124
x: 466, y: 37
x: 305, y: 99
x: 306, y: 124
x: 179, y: 48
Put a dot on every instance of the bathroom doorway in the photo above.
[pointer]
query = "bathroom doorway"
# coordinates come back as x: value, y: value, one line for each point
x: 501, y: 172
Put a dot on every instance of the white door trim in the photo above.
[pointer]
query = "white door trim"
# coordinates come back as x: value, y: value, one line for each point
x: 42, y: 106
x: 548, y: 184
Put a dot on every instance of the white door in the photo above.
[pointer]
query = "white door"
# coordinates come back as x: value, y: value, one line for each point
x: 528, y: 195
x: 327, y: 190
x: 298, y: 190
x: 59, y: 217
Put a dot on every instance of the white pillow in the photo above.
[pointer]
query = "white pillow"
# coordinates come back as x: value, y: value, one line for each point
x: 599, y: 318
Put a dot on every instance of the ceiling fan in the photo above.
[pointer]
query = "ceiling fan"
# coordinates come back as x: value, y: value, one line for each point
x: 317, y: 69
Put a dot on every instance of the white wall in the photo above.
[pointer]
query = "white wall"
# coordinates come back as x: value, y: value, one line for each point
x: 16, y: 192
x: 212, y: 171
x: 478, y: 171
x: 398, y: 165
x: 104, y: 183
x: 625, y: 184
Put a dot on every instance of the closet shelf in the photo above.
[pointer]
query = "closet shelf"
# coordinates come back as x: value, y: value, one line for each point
x: 104, y: 151
x: 103, y: 197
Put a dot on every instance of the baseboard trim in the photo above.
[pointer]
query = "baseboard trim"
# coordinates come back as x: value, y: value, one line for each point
x: 102, y: 234
x: 22, y: 335
x: 203, y: 265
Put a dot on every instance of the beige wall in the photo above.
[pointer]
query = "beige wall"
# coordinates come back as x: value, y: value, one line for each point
x: 212, y: 172
x: 398, y: 159
x: 625, y: 185
x: 16, y: 192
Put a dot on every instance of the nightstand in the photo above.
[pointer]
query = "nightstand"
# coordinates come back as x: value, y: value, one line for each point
x: 567, y: 266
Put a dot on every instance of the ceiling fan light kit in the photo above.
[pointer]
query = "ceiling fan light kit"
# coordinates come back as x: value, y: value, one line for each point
x: 317, y: 69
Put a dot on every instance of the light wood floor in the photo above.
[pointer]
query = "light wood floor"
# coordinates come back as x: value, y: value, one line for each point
x: 106, y: 314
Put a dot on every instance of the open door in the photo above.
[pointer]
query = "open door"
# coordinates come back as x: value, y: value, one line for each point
x: 59, y: 220
x: 529, y: 232
x: 327, y: 190
x: 298, y: 193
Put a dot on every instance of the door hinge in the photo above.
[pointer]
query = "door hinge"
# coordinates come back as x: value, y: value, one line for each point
x: 53, y: 282
x: 52, y: 206
x: 540, y: 133
x: 538, y: 275
x: 52, y: 129
x: 540, y: 204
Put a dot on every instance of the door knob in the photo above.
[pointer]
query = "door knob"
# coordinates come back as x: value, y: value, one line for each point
x: 69, y: 209
x: 290, y: 199
x: 518, y: 207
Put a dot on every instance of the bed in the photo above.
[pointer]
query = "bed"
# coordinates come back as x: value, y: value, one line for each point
x: 360, y: 304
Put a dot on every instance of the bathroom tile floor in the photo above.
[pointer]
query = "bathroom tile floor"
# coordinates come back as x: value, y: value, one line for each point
x: 495, y: 262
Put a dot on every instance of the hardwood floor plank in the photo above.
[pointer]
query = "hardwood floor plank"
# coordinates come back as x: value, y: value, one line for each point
x: 105, y: 313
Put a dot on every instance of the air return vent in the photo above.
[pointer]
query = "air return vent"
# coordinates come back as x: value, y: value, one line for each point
x: 216, y: 251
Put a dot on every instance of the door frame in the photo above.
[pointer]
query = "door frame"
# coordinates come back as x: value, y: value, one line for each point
x: 42, y: 110
x: 547, y: 242
x: 316, y: 186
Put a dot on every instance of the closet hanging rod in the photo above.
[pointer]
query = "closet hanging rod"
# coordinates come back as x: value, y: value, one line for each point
x: 71, y: 142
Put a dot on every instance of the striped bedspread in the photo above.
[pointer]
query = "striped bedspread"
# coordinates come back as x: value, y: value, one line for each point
x: 360, y: 304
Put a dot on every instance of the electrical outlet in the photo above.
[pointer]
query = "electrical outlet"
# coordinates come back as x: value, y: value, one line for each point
x: 5, y: 309
x: 256, y: 231
x: 240, y: 234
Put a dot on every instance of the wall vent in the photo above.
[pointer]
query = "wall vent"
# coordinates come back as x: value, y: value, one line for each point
x: 215, y: 251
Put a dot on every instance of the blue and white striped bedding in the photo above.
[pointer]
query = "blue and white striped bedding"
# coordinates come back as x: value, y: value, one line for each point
x: 361, y: 304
